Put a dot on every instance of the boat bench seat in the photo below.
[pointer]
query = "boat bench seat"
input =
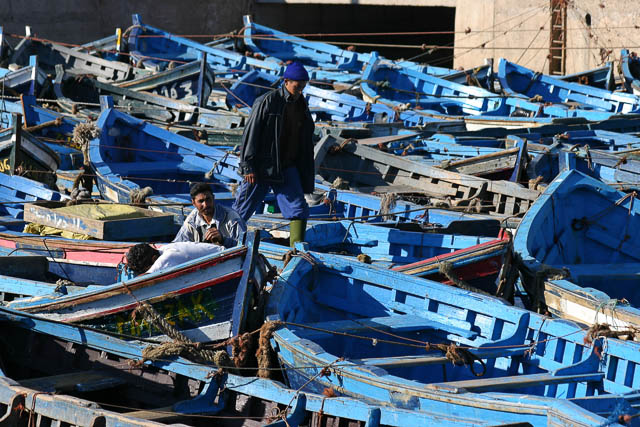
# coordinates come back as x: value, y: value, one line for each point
x: 399, y: 323
x: 515, y: 381
x: 590, y: 100
x: 83, y: 381
x: 436, y: 359
x: 152, y: 167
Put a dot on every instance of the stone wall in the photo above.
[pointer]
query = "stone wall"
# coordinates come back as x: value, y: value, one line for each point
x: 520, y: 32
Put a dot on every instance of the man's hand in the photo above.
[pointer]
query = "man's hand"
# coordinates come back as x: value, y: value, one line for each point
x: 212, y: 235
x: 250, y: 178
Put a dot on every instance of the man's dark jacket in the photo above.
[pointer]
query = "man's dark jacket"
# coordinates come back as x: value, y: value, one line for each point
x: 260, y: 142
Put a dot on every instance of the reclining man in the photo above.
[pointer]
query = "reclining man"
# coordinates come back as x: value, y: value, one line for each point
x: 144, y: 258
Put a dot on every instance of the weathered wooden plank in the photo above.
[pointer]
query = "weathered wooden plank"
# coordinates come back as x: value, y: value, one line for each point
x: 410, y: 361
x: 431, y: 180
x: 403, y: 322
x: 516, y: 381
x: 75, y: 381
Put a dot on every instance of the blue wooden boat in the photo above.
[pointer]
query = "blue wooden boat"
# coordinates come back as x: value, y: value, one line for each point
x: 385, y: 82
x: 16, y: 190
x: 581, y: 228
x: 438, y: 98
x: 82, y: 97
x: 155, y: 49
x: 338, y: 204
x: 56, y: 409
x: 332, y: 106
x: 630, y: 68
x: 83, y: 262
x: 520, y: 81
x: 197, y: 297
x: 605, y: 155
x: 191, y: 83
x: 601, y: 77
x: 267, y: 41
x: 624, y: 123
x: 23, y: 154
x: 367, y: 169
x: 131, y: 159
x: 149, y: 387
x: 469, y: 261
x: 416, y: 344
x: 385, y: 246
x: 28, y: 80
x: 73, y: 61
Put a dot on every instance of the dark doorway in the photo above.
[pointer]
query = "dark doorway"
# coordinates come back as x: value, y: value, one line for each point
x: 336, y: 20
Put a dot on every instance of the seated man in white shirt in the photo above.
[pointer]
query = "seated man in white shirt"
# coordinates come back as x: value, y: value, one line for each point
x: 210, y: 221
x: 144, y: 258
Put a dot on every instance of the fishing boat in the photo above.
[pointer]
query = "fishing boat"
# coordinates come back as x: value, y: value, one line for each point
x: 392, y: 339
x: 368, y: 169
x: 471, y: 262
x: 78, y: 261
x: 73, y: 61
x: 580, y: 230
x: 155, y: 49
x: 28, y: 80
x: 197, y: 297
x: 328, y: 105
x: 608, y: 156
x: 23, y: 154
x: 601, y: 77
x: 131, y: 158
x: 16, y: 190
x: 520, y: 81
x: 160, y: 391
x: 266, y: 41
x: 395, y: 86
x: 191, y: 83
x: 630, y: 68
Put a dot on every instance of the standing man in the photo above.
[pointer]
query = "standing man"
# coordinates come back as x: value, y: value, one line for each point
x: 277, y: 153
x: 210, y: 222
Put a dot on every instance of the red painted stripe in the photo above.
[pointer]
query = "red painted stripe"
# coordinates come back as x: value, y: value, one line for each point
x: 81, y: 299
x: 196, y: 287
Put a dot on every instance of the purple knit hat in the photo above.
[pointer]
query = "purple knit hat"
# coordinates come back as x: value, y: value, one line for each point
x: 296, y: 71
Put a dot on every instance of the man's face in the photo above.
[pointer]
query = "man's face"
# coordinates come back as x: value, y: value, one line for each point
x: 204, y: 203
x: 295, y: 87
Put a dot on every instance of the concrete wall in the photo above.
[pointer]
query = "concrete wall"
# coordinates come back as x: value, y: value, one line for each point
x: 503, y: 28
x: 81, y: 21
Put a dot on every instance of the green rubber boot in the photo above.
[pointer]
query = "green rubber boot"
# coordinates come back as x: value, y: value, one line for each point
x: 297, y: 227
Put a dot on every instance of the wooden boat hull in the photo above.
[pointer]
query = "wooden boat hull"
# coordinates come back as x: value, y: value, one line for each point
x: 410, y: 87
x: 360, y: 322
x: 518, y: 80
x: 23, y: 154
x: 150, y: 389
x: 367, y: 168
x: 591, y: 249
x: 590, y: 221
x: 191, y: 83
x: 50, y: 55
x: 198, y: 297
x: 131, y: 155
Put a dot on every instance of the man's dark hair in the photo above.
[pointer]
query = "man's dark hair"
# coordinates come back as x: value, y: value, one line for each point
x: 199, y: 187
x: 140, y: 257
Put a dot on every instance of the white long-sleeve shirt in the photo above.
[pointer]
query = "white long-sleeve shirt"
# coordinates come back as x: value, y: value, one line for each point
x: 173, y: 254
